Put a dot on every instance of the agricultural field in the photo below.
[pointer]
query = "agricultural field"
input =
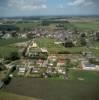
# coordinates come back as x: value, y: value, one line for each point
x: 54, y: 48
x: 11, y: 96
x: 83, y: 75
x: 83, y: 26
x: 6, y: 50
x: 86, y: 25
x: 54, y: 89
x: 28, y: 25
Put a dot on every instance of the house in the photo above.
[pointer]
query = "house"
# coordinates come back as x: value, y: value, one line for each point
x: 61, y: 63
x: 52, y: 58
x: 1, y: 34
x: 2, y: 67
x: 39, y: 62
x: 57, y: 43
x: 33, y: 45
x: 22, y: 70
x: 49, y: 70
x: 61, y: 70
x: 44, y: 50
x: 34, y: 70
x: 23, y: 36
x: 34, y: 52
x: 1, y: 84
x: 7, y: 36
x: 85, y: 65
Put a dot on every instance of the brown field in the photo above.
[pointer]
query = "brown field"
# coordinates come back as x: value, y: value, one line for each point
x: 54, y: 89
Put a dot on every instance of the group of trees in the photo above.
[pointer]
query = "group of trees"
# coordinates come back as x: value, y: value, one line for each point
x: 12, y: 56
x: 83, y: 41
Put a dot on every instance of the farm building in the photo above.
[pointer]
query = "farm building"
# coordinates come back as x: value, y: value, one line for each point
x: 1, y: 84
x: 88, y: 66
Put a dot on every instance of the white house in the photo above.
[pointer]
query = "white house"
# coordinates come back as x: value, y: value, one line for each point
x: 88, y: 66
x: 22, y: 70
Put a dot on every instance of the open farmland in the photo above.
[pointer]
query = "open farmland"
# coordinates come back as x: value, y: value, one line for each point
x: 10, y: 96
x: 54, y: 89
x: 86, y: 25
x: 85, y: 75
x: 83, y: 26
x: 6, y: 50
x: 28, y: 25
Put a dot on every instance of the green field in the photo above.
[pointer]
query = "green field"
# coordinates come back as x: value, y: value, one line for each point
x: 10, y: 96
x: 83, y: 26
x: 28, y: 25
x: 6, y: 49
x: 95, y: 52
x: 54, y: 48
x: 4, y: 42
x: 89, y: 26
x: 86, y: 75
x: 96, y: 44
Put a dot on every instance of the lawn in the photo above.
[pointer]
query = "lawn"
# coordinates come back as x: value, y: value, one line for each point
x: 55, y: 48
x: 4, y: 42
x: 95, y: 52
x: 6, y: 50
x: 86, y: 75
x: 46, y: 89
x: 6, y: 46
x: 96, y: 44
x: 10, y: 96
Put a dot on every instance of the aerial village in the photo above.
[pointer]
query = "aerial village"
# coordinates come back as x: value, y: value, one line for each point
x: 45, y: 60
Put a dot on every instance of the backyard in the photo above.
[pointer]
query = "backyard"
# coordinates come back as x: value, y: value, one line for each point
x: 55, y: 48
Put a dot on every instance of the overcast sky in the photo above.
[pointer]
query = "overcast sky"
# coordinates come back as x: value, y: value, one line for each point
x: 48, y: 7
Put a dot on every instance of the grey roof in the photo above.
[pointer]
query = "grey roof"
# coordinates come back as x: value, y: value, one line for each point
x: 1, y: 84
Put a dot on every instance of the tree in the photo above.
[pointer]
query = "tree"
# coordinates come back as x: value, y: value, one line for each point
x: 68, y: 66
x: 2, y: 67
x: 13, y: 56
x: 83, y: 42
x: 69, y: 44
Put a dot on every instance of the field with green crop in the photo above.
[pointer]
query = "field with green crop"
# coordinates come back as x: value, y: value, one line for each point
x: 86, y: 25
x: 54, y: 48
x: 6, y: 50
x: 54, y: 89
x: 85, y: 75
x: 28, y: 25
x: 83, y: 26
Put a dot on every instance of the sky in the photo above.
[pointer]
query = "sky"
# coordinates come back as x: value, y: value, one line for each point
x: 10, y: 8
